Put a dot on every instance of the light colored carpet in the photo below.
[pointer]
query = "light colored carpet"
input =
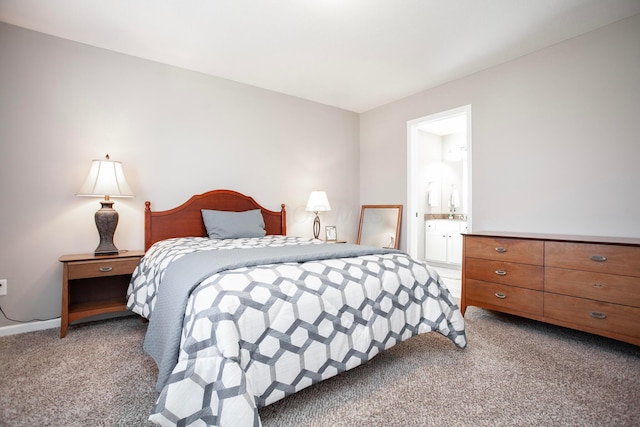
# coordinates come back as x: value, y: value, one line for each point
x: 513, y: 372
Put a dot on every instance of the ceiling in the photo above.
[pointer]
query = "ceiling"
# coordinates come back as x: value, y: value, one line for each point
x: 352, y: 54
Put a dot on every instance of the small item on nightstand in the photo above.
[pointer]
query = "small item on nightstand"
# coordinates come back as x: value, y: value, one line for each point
x: 331, y: 233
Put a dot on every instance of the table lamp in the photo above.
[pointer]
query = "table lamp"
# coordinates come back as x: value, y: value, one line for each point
x: 318, y: 202
x: 106, y: 179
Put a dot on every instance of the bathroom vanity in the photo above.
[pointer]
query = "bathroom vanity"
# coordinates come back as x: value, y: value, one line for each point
x: 443, y: 240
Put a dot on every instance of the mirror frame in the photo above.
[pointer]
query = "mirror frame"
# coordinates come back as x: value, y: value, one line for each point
x: 398, y: 221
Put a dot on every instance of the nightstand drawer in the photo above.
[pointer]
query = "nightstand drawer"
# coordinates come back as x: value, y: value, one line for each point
x: 616, y: 318
x: 612, y: 259
x: 507, y: 273
x: 496, y: 295
x: 107, y: 267
x: 505, y: 249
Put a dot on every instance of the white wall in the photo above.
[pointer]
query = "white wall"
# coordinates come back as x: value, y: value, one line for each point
x: 429, y: 172
x: 429, y: 177
x: 554, y: 134
x: 178, y: 133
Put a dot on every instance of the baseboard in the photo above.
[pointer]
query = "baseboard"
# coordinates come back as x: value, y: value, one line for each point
x: 29, y: 327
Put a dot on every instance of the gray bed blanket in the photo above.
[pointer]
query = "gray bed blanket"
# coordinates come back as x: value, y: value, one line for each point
x: 162, y: 341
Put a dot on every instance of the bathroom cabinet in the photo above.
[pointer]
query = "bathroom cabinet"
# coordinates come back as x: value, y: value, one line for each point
x: 443, y: 240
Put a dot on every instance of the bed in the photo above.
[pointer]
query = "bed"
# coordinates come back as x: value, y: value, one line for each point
x: 242, y: 315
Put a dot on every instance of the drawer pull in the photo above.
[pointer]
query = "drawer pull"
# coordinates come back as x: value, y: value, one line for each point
x: 500, y: 295
x: 598, y: 258
x: 597, y: 315
x: 501, y: 249
x: 501, y: 272
x: 598, y: 285
x: 105, y: 269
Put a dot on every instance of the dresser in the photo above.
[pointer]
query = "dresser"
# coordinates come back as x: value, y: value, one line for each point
x: 585, y: 283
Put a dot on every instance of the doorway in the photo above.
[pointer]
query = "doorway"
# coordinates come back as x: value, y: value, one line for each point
x: 438, y: 174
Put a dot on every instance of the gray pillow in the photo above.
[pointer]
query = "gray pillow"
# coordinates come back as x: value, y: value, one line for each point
x: 233, y: 225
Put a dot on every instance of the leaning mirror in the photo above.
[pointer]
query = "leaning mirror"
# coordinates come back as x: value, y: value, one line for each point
x: 380, y: 225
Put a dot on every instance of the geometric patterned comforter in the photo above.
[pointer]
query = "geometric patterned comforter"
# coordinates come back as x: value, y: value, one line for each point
x: 253, y: 335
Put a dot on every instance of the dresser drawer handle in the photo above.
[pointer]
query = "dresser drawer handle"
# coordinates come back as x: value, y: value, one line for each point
x: 598, y: 258
x: 501, y: 272
x: 105, y: 269
x: 597, y: 315
x: 501, y: 249
x: 500, y: 295
x: 598, y: 285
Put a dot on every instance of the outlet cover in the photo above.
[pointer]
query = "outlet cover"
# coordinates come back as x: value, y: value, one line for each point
x: 3, y: 287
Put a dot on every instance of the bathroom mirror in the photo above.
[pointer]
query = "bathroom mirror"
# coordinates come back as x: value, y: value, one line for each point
x: 380, y: 225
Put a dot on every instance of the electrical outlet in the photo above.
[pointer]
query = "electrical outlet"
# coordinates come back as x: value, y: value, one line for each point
x: 3, y: 286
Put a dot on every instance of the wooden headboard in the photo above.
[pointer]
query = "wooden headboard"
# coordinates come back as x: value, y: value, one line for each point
x: 186, y: 219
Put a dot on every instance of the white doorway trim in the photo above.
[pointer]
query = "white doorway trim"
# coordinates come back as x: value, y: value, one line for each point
x: 412, y: 167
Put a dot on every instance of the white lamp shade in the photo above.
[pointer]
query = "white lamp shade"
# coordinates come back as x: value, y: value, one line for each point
x: 106, y: 178
x: 318, y: 202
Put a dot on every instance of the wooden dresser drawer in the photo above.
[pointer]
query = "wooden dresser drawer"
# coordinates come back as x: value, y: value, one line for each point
x: 613, y: 259
x: 107, y: 267
x: 597, y: 286
x: 505, y: 249
x: 619, y: 319
x: 501, y: 296
x: 508, y: 273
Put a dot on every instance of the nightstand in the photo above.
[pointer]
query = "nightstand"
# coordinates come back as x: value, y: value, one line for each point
x: 95, y: 284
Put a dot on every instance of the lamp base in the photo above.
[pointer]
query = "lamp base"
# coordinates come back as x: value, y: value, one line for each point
x: 106, y: 221
x: 316, y: 226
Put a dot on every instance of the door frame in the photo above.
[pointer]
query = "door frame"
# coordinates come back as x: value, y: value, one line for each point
x: 412, y: 167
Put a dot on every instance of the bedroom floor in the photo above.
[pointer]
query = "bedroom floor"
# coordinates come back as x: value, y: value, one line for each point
x: 452, y: 278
